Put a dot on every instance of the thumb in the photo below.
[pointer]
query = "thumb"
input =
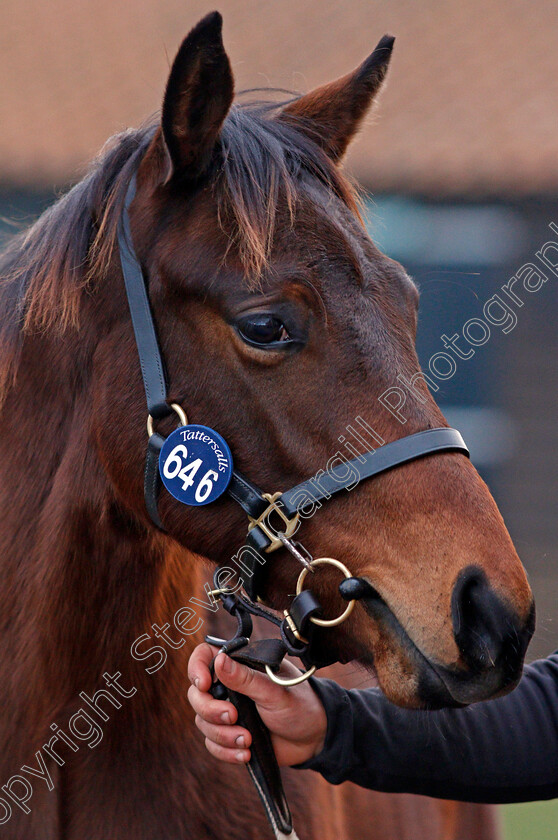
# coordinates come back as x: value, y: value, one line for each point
x: 257, y: 686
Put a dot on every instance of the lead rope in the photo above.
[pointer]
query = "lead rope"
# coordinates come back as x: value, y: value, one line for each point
x: 296, y: 631
x: 280, y: 835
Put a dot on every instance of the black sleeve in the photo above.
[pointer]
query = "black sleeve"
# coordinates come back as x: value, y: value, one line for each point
x: 503, y: 750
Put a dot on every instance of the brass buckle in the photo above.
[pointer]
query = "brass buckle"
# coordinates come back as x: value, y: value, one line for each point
x: 290, y: 524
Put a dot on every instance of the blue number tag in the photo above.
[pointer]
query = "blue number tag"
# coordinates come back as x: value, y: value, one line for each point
x: 195, y: 464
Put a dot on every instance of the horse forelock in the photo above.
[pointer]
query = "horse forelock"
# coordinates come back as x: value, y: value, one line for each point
x: 259, y: 169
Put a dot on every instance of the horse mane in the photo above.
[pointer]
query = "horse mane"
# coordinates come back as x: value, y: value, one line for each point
x: 45, y: 270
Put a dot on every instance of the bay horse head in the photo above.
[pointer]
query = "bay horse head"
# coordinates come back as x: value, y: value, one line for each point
x: 281, y: 323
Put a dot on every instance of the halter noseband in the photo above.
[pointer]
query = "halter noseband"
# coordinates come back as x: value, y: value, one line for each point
x: 299, y: 622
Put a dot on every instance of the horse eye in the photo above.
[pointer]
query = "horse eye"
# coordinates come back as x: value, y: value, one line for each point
x: 263, y: 329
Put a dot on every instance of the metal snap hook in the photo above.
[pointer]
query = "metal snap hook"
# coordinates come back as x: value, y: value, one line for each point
x: 297, y: 550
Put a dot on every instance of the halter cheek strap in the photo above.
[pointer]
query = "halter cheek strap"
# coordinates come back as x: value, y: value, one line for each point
x: 151, y: 362
x: 246, y: 494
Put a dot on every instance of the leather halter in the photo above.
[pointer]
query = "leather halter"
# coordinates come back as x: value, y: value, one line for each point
x: 251, y: 499
x: 297, y: 628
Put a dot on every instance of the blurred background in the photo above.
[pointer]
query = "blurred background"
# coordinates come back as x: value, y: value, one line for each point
x: 460, y: 165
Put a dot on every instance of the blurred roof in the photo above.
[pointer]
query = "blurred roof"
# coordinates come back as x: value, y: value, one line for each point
x: 470, y: 104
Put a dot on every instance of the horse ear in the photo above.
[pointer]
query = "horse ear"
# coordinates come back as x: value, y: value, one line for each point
x: 198, y: 96
x: 331, y: 114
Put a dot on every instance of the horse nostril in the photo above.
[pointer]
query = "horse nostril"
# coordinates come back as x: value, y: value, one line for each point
x: 486, y: 630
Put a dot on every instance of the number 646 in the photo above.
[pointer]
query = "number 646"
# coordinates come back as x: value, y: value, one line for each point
x: 173, y: 467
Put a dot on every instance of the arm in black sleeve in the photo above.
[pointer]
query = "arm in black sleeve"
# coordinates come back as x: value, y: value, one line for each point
x: 503, y: 750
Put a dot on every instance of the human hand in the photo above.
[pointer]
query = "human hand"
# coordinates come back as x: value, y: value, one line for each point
x: 294, y: 715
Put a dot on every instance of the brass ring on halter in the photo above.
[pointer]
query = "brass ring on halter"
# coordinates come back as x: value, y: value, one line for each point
x: 181, y: 416
x: 293, y: 680
x: 325, y: 622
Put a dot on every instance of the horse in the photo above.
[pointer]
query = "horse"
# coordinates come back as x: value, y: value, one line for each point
x: 281, y: 325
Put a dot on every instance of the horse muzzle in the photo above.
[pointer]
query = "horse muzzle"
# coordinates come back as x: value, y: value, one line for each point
x: 490, y: 637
